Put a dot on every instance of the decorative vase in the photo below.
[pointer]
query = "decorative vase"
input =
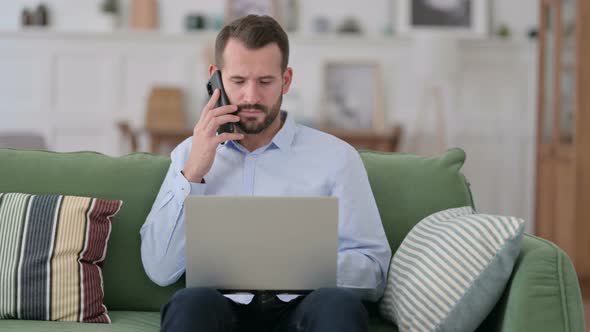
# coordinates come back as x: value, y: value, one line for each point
x: 144, y: 14
x: 27, y: 18
x: 41, y: 16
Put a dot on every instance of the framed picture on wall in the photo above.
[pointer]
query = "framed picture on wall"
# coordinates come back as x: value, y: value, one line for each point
x: 352, y: 96
x: 238, y: 8
x: 464, y: 17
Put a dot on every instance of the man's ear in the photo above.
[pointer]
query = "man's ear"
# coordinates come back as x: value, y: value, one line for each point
x: 287, y: 79
x: 212, y: 69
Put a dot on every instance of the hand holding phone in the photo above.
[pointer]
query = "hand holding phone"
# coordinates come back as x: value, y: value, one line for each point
x: 215, y: 82
x: 207, y: 134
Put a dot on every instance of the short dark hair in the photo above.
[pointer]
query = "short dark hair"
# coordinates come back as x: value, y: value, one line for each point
x: 255, y: 32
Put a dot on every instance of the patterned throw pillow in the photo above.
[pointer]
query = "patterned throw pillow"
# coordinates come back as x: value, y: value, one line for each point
x: 450, y: 270
x: 51, y: 252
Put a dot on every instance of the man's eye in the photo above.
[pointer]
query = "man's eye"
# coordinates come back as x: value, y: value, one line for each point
x: 238, y: 82
x: 265, y: 82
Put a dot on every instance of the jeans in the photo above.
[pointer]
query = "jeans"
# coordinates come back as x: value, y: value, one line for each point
x: 205, y: 309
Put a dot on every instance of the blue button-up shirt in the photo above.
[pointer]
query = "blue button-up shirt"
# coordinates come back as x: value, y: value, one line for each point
x: 299, y: 161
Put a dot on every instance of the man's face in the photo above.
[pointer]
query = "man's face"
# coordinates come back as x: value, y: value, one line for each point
x: 254, y: 81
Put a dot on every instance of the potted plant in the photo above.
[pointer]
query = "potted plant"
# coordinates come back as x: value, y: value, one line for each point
x: 110, y: 14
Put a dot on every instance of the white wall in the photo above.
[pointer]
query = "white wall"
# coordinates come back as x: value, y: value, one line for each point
x: 80, y: 15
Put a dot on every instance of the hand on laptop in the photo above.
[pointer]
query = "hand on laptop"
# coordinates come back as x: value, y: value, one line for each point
x: 206, y: 140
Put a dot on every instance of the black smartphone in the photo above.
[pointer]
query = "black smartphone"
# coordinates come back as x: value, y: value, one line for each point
x: 215, y: 82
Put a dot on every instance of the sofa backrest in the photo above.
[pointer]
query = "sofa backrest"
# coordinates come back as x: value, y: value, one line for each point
x: 135, y: 179
x: 407, y: 188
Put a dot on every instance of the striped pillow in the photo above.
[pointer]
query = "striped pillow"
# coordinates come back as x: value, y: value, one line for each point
x: 450, y: 270
x: 51, y: 252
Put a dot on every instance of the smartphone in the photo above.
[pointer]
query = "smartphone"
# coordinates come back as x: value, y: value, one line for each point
x: 215, y: 82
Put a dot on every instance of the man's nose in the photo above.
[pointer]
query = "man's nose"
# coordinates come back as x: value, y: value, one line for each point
x: 251, y: 93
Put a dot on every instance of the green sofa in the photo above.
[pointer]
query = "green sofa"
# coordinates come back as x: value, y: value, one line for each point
x: 543, y: 293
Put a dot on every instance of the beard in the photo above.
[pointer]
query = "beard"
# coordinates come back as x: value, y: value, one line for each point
x: 251, y: 125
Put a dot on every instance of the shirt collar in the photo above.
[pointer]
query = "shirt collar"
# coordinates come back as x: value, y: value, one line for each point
x: 284, y: 138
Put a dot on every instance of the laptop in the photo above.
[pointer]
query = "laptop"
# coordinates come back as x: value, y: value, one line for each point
x: 282, y: 244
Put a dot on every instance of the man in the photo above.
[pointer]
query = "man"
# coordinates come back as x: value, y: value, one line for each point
x: 268, y: 155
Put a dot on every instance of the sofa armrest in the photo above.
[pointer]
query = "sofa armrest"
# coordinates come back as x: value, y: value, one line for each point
x: 543, y: 293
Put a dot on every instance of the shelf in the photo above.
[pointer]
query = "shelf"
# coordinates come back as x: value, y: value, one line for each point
x: 48, y: 34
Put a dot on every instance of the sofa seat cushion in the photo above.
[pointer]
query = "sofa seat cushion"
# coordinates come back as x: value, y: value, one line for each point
x: 131, y: 321
x: 408, y: 188
x: 122, y: 321
x: 378, y: 324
